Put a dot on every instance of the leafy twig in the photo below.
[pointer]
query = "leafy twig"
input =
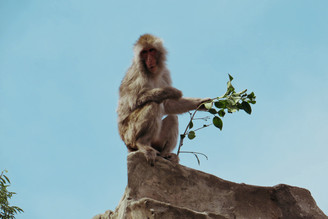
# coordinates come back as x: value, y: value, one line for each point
x: 230, y: 102
x: 6, y: 211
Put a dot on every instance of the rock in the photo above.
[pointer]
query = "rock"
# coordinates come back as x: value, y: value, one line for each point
x: 106, y: 215
x: 166, y: 191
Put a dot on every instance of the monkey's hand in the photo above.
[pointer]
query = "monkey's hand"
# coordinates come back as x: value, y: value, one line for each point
x: 201, y: 104
x: 158, y: 95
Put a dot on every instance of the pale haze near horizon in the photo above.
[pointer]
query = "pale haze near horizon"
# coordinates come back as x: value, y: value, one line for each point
x: 61, y: 63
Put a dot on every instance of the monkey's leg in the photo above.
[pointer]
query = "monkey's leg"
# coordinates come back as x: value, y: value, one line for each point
x: 149, y: 152
x: 147, y: 124
x: 168, y: 137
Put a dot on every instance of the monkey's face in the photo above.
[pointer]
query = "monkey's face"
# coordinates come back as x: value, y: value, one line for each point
x: 149, y: 58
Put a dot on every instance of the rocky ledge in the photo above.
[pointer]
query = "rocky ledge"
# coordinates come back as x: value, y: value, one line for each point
x: 166, y: 191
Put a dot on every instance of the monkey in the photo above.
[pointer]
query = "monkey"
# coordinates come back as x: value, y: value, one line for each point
x: 146, y: 96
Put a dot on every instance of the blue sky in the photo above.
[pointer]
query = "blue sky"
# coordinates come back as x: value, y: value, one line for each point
x: 61, y: 63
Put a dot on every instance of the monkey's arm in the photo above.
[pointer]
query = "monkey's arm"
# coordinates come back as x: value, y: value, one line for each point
x: 158, y: 95
x: 182, y: 105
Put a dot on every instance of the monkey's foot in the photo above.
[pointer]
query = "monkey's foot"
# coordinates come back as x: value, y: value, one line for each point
x: 171, y: 157
x: 150, y: 154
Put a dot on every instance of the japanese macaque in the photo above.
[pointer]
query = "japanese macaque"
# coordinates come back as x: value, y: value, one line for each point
x: 146, y: 96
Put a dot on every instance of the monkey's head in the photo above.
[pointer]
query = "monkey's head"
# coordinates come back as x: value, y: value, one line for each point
x: 150, y: 54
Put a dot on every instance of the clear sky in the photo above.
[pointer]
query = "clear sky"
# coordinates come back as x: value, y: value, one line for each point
x: 62, y: 61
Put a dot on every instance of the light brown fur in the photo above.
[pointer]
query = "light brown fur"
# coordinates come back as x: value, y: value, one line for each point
x: 145, y: 98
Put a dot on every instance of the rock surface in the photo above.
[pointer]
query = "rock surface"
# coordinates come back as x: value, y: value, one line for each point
x: 166, y: 191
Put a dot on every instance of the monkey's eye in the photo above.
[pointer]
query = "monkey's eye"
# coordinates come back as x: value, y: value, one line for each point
x: 143, y: 54
x: 151, y: 50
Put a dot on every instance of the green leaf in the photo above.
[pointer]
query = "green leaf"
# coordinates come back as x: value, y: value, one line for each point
x: 230, y: 103
x: 221, y: 113
x: 235, y: 99
x: 247, y: 107
x: 208, y: 105
x: 218, y: 122
x: 230, y: 77
x: 7, y: 178
x: 252, y: 101
x: 232, y: 110
x: 191, y: 135
x: 220, y: 104
x: 212, y: 111
x: 229, y: 85
x: 230, y: 89
x: 191, y: 124
x: 241, y: 93
x: 251, y: 95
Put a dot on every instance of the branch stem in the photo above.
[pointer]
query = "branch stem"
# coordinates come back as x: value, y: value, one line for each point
x: 186, y: 130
